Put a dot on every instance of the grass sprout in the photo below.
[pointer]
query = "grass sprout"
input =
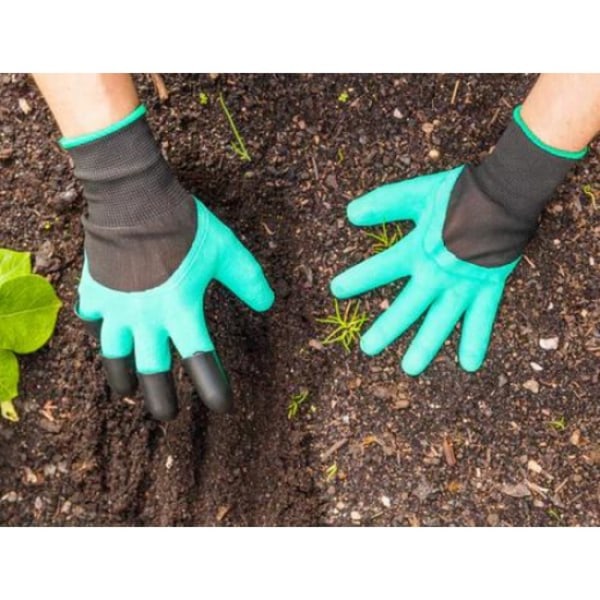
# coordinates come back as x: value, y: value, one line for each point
x: 384, y: 239
x: 295, y: 404
x: 347, y: 326
x: 238, y: 145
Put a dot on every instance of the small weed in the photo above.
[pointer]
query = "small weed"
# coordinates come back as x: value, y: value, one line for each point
x: 558, y: 424
x: 554, y: 514
x: 589, y: 191
x: 340, y: 156
x: 203, y: 99
x: 238, y: 145
x: 385, y: 239
x: 331, y: 472
x: 344, y: 97
x: 295, y: 404
x: 347, y: 326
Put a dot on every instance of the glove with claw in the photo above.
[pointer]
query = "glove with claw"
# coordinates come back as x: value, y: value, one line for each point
x: 151, y: 249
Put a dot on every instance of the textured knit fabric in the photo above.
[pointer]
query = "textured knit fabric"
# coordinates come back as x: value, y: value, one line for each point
x: 494, y: 208
x: 140, y: 222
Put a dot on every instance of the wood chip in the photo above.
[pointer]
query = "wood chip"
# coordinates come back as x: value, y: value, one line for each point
x: 334, y: 448
x: 532, y: 386
x: 517, y: 490
x: 575, y: 437
x: 161, y: 88
x: 454, y: 92
x: 448, y: 449
x: 24, y: 106
x: 222, y: 512
x: 534, y: 466
x: 550, y: 343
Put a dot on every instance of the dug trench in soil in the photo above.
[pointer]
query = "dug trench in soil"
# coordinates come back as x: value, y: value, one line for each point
x: 515, y: 444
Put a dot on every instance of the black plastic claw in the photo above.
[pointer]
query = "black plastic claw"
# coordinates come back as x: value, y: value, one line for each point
x: 159, y: 393
x: 210, y: 381
x: 120, y: 374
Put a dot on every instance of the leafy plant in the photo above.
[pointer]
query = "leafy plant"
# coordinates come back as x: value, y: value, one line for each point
x: 385, y: 239
x: 28, y: 311
x: 238, y: 145
x: 347, y: 326
x: 203, y: 99
x: 558, y: 424
x: 344, y: 97
x: 295, y: 404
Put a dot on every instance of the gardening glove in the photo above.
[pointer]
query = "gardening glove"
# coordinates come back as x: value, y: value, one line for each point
x: 151, y: 249
x: 471, y: 227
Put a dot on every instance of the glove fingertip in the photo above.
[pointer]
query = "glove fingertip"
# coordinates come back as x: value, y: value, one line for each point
x: 370, y: 346
x: 413, y: 366
x: 264, y: 300
x: 471, y: 362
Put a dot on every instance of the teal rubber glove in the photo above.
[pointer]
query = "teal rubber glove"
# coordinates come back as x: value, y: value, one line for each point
x: 441, y: 285
x: 472, y: 226
x: 151, y: 250
x: 144, y: 323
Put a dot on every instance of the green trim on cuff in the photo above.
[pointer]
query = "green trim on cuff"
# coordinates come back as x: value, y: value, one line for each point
x: 569, y: 154
x: 86, y: 138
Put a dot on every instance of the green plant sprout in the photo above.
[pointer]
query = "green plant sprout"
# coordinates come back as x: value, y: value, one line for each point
x: 28, y: 310
x: 295, y: 404
x: 344, y: 97
x: 558, y: 424
x: 347, y: 327
x: 331, y: 472
x: 238, y: 145
x: 589, y: 191
x: 203, y: 99
x: 554, y: 514
x: 385, y: 239
x: 340, y: 156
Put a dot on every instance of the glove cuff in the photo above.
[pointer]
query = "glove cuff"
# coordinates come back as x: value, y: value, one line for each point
x: 494, y: 208
x: 126, y: 181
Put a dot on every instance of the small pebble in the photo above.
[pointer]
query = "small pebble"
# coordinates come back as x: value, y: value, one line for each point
x: 386, y: 501
x: 398, y: 114
x: 575, y: 438
x: 49, y: 426
x: 49, y: 470
x: 434, y: 154
x: 536, y: 367
x: 10, y: 497
x: 38, y: 504
x: 550, y: 343
x: 355, y: 515
x: 532, y: 386
x: 427, y: 128
x: 24, y: 106
x: 502, y: 380
x: 169, y: 462
x: 66, y: 507
x: 493, y: 519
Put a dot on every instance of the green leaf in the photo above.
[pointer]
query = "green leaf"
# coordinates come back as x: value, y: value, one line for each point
x: 9, y: 381
x: 13, y: 264
x: 28, y: 310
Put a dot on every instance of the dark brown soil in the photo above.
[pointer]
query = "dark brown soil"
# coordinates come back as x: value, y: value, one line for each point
x: 82, y: 456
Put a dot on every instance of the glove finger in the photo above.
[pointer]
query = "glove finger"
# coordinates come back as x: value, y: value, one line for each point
x: 404, y: 311
x: 210, y: 381
x: 153, y: 364
x: 477, y: 328
x: 393, y: 201
x: 116, y: 343
x: 440, y: 321
x: 160, y: 397
x: 378, y: 270
x: 192, y: 340
x: 240, y: 272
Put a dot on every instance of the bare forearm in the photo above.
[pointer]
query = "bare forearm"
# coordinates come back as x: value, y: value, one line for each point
x: 84, y: 103
x: 563, y: 110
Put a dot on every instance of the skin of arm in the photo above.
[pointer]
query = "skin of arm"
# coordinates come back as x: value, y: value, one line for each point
x: 87, y: 102
x: 563, y: 110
